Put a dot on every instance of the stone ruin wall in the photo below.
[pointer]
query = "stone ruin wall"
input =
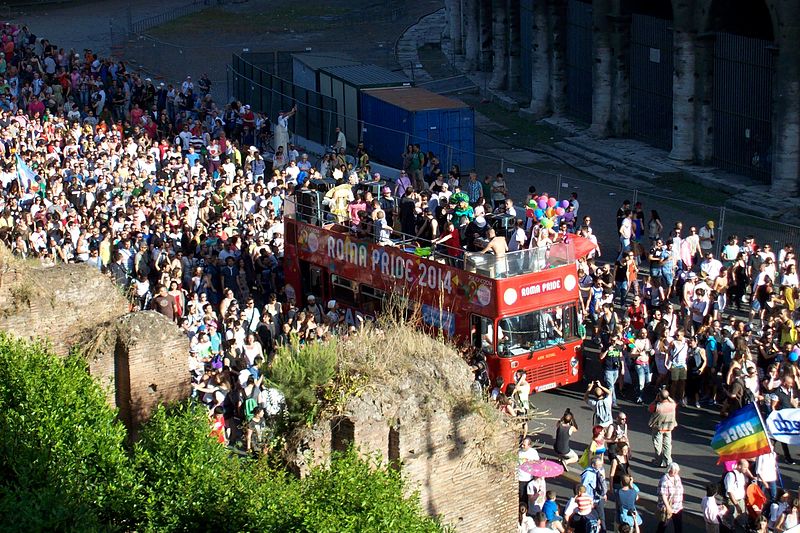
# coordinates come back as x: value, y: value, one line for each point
x: 139, y: 358
x: 441, y: 455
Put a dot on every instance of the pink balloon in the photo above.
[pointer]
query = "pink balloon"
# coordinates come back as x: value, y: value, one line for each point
x: 552, y: 202
x: 560, y: 211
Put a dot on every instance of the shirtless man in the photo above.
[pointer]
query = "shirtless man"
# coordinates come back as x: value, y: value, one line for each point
x: 498, y: 246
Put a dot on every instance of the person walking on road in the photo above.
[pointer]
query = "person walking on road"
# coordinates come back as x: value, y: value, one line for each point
x: 526, y: 453
x: 662, y: 421
x: 735, y: 487
x: 713, y: 512
x: 601, y: 403
x: 677, y: 358
x: 613, y: 365
x: 786, y: 398
x: 594, y: 479
x: 564, y: 430
x: 670, y: 500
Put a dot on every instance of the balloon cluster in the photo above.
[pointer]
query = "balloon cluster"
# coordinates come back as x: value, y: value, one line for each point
x: 546, y: 210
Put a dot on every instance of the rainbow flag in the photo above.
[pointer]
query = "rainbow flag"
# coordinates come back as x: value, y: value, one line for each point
x: 741, y: 436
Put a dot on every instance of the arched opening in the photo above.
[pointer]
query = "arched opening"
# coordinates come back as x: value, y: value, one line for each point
x: 343, y: 432
x: 743, y: 75
x: 651, y: 75
x: 579, y: 60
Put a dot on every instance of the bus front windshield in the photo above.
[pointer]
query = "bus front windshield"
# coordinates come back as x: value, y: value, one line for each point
x: 536, y: 330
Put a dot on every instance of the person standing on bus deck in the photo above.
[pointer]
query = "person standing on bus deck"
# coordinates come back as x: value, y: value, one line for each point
x: 341, y: 141
x: 402, y: 184
x: 388, y: 204
x: 498, y: 246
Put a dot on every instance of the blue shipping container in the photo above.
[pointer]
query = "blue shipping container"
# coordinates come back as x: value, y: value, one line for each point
x: 396, y: 117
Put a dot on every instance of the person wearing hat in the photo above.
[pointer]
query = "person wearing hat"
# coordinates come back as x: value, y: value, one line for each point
x: 707, y: 237
x: 332, y: 318
x: 314, y: 308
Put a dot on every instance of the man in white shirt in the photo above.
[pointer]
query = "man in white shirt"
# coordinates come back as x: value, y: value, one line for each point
x: 710, y: 265
x: 625, y: 233
x: 526, y: 453
x: 341, y: 140
x: 735, y: 487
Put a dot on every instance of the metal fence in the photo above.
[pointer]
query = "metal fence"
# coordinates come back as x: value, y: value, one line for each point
x: 266, y: 93
x: 142, y: 25
x: 599, y: 200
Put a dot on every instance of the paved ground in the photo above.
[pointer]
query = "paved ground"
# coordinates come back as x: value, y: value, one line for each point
x: 691, y: 449
x: 88, y: 24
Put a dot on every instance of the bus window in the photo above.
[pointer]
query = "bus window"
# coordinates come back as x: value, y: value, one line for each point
x: 536, y: 330
x: 482, y: 334
x: 343, y: 290
x: 372, y: 300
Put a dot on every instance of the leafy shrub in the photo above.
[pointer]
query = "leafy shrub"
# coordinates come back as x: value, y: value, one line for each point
x: 66, y: 467
x: 61, y: 446
x: 191, y: 483
x: 354, y: 495
x: 300, y: 372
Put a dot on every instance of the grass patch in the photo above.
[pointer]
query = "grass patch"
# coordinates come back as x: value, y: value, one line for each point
x: 514, y: 129
x: 685, y: 187
x: 300, y: 17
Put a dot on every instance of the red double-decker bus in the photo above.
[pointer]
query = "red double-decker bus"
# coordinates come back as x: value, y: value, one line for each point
x: 521, y: 311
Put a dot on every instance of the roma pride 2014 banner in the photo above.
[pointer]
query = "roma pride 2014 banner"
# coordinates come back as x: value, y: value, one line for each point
x: 741, y: 436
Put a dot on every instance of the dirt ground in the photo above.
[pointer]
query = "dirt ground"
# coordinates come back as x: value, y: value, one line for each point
x: 204, y: 42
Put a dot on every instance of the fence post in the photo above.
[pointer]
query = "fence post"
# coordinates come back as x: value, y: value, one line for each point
x: 558, y: 186
x: 502, y: 166
x: 718, y: 240
x: 449, y: 162
x: 635, y: 196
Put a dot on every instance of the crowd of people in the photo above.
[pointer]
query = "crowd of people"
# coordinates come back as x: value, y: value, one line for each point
x: 180, y: 201
x: 674, y: 322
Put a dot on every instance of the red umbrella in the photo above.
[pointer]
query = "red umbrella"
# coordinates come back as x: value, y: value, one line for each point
x: 542, y: 468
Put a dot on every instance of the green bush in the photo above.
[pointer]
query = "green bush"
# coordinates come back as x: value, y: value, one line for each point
x: 191, y: 483
x: 353, y: 495
x: 66, y: 466
x: 61, y: 446
x: 300, y: 372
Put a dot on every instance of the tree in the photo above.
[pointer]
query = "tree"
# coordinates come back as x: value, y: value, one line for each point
x: 61, y: 446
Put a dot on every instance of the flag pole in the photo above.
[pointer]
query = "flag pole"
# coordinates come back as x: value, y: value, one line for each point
x: 766, y: 429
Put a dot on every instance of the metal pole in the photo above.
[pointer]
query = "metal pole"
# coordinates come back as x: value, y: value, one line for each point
x: 635, y: 196
x: 558, y: 186
x: 502, y: 165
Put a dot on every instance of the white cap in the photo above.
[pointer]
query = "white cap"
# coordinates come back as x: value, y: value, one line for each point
x: 331, y: 304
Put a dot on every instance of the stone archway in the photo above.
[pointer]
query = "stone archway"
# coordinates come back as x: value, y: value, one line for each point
x: 651, y: 72
x: 743, y: 75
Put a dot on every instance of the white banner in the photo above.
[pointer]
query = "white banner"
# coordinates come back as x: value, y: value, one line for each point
x: 784, y: 425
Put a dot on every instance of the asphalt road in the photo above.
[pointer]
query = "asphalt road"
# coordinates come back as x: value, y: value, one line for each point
x: 691, y: 450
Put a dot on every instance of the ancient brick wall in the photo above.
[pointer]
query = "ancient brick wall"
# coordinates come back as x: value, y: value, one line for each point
x: 138, y: 358
x: 453, y: 456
